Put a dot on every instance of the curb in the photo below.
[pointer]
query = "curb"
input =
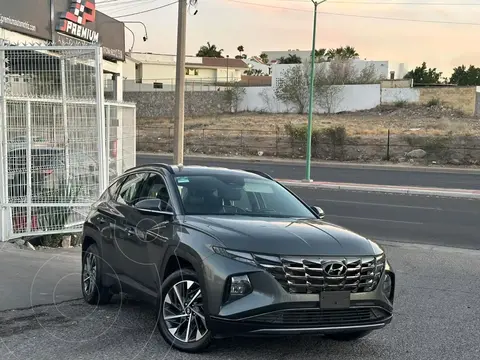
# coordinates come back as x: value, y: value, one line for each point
x: 453, y: 193
x: 327, y: 164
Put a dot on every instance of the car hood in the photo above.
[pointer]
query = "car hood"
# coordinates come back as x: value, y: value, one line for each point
x: 282, y: 236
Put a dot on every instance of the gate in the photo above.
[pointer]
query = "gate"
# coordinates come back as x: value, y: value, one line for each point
x: 56, y: 145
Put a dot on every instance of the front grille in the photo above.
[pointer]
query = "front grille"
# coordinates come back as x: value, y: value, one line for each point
x: 317, y: 317
x: 307, y: 275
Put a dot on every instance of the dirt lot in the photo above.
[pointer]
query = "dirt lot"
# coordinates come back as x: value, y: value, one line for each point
x: 264, y: 134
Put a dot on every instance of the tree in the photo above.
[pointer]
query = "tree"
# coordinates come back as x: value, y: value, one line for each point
x: 465, y: 77
x: 347, y: 52
x: 291, y: 59
x: 234, y: 94
x: 209, y: 50
x: 320, y: 55
x: 241, y: 50
x: 292, y: 89
x: 330, y: 79
x: 424, y: 75
x: 264, y: 58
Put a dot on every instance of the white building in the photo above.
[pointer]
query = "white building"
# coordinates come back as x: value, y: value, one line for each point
x: 381, y: 68
x: 147, y: 71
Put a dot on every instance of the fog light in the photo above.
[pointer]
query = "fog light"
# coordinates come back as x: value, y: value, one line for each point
x: 240, y: 285
x: 387, y: 285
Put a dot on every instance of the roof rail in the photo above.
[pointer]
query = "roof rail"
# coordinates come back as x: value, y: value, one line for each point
x: 162, y: 165
x: 261, y: 173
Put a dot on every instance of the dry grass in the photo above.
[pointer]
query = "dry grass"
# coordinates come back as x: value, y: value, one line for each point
x: 419, y: 120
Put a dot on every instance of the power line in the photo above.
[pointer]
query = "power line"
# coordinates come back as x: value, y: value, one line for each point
x: 357, y: 16
x: 384, y: 3
x: 149, y: 10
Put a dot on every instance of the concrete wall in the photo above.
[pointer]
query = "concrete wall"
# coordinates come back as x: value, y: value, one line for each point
x: 152, y: 105
x: 129, y: 71
x: 394, y: 95
x: 396, y: 83
x: 381, y: 68
x: 349, y: 98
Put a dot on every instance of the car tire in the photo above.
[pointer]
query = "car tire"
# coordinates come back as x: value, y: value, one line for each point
x: 174, y: 331
x: 348, y: 336
x: 93, y: 291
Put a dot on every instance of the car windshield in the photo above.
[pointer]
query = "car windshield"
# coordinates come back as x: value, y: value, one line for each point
x: 238, y: 195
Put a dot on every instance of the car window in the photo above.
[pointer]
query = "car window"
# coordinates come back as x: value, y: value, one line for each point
x: 155, y: 188
x: 238, y: 195
x: 130, y: 190
x: 111, y: 191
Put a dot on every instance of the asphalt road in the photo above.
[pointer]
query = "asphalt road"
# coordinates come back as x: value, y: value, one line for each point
x: 403, y: 218
x: 435, y: 317
x: 332, y: 173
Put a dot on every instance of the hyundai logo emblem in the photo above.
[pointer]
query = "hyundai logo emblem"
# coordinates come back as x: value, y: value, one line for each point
x: 335, y: 268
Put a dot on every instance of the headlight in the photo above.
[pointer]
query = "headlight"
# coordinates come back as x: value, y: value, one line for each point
x: 235, y: 255
x: 387, y: 285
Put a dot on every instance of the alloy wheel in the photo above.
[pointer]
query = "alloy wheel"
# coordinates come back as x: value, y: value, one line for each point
x: 183, y: 312
x: 89, y: 273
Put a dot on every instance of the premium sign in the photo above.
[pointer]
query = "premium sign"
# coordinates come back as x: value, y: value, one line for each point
x: 73, y: 21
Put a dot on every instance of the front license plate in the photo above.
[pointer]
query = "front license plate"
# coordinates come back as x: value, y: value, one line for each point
x: 334, y: 299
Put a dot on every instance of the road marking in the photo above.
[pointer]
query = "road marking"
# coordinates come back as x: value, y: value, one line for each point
x: 371, y: 219
x: 381, y: 204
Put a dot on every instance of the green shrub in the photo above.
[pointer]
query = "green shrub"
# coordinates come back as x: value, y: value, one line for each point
x: 328, y: 139
x: 433, y: 102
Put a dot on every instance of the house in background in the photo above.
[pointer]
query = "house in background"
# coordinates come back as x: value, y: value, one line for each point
x: 255, y: 63
x: 147, y: 71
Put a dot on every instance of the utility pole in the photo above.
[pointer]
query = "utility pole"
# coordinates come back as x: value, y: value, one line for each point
x: 179, y: 125
x: 310, y: 104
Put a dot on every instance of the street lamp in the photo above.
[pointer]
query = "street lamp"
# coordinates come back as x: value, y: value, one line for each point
x: 310, y: 105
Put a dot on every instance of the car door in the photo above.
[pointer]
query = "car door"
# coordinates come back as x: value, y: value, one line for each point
x: 152, y: 223
x: 126, y: 257
x: 105, y: 221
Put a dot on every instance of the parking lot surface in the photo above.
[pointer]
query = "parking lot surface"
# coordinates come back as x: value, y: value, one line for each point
x: 436, y: 317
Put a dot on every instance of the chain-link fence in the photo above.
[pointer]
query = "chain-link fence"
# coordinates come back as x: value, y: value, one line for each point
x: 327, y: 145
x: 55, y: 154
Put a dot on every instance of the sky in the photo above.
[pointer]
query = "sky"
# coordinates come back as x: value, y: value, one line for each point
x: 287, y: 24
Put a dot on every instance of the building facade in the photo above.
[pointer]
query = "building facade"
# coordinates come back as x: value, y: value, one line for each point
x: 147, y: 71
x: 64, y: 22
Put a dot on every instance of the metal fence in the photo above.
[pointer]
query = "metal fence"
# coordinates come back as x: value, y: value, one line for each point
x: 61, y: 143
x: 279, y: 143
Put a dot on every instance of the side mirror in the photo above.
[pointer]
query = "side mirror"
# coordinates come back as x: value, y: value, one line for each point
x: 319, y: 211
x: 154, y: 207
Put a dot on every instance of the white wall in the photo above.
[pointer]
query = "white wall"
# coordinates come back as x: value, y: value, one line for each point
x: 350, y: 98
x: 129, y: 71
x: 257, y: 66
x: 381, y: 68
x: 393, y: 95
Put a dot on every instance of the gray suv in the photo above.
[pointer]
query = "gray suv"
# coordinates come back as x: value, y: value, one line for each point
x: 223, y: 252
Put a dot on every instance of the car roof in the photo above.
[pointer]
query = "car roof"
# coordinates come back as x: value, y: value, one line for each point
x: 198, y: 170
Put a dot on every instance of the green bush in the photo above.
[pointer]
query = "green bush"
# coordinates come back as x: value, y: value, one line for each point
x: 433, y: 102
x: 327, y: 139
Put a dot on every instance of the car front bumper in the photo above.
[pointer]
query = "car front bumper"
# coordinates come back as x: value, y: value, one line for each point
x: 270, y: 310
